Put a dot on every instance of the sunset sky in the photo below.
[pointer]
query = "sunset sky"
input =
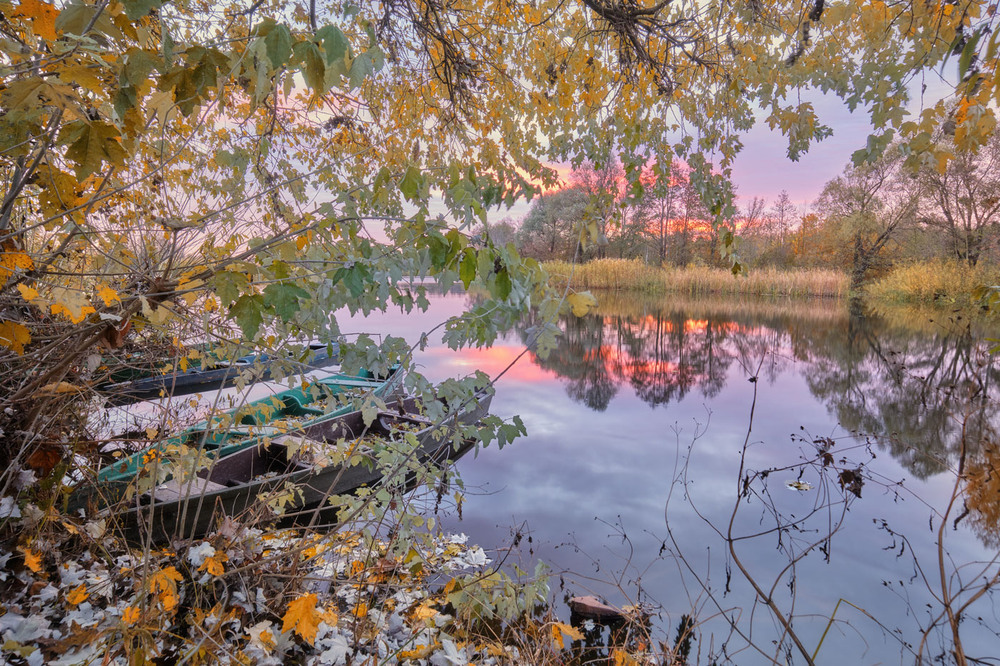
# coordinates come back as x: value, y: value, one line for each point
x: 763, y: 168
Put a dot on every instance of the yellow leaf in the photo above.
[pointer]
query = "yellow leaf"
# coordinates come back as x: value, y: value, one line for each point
x: 424, y: 612
x: 14, y: 336
x: 27, y: 293
x: 10, y: 261
x: 622, y: 658
x: 32, y: 560
x: 303, y: 617
x: 420, y: 651
x: 581, y: 302
x: 77, y: 595
x: 163, y: 583
x: 42, y: 15
x: 72, y: 304
x: 214, y: 563
x: 108, y: 295
x: 560, y: 629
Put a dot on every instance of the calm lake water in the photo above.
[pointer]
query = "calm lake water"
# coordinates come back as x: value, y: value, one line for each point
x: 633, y: 471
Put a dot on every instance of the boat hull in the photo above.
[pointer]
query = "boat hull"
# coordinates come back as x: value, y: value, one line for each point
x: 247, y: 484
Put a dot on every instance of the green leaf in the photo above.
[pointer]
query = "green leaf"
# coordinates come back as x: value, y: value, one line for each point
x: 504, y: 285
x: 284, y: 299
x: 247, y: 311
x: 334, y: 43
x: 138, y: 65
x: 361, y: 68
x: 94, y: 144
x: 314, y: 68
x: 355, y: 278
x: 467, y: 267
x: 411, y: 183
x: 136, y: 9
x: 229, y: 285
x: 278, y: 43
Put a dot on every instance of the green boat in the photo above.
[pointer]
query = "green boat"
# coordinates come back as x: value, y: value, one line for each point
x: 238, y: 429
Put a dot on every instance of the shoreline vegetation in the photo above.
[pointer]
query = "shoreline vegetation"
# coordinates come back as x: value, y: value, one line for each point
x: 935, y: 281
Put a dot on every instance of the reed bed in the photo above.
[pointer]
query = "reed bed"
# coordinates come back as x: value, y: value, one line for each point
x: 943, y: 281
x: 698, y: 280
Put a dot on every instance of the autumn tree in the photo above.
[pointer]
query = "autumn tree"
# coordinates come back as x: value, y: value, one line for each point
x: 865, y: 206
x: 552, y: 228
x: 603, y: 183
x: 962, y: 199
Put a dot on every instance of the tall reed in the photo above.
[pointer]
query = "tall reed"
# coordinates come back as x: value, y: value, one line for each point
x: 697, y: 280
x: 947, y: 281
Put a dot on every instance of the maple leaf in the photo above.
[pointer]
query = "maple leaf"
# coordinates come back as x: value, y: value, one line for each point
x: 27, y: 293
x: 14, y: 336
x: 108, y: 295
x: 303, y: 617
x: 71, y: 304
x: 131, y: 615
x: 561, y: 629
x: 42, y: 16
x: 77, y: 595
x: 163, y: 583
x: 92, y: 145
x: 214, y: 563
x: 32, y: 560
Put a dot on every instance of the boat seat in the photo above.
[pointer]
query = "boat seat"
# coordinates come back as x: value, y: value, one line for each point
x: 173, y: 490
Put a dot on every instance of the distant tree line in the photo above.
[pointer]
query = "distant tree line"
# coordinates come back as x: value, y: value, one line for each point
x: 867, y: 218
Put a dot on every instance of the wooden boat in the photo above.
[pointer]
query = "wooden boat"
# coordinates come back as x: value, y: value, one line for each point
x: 300, y: 471
x: 209, y: 375
x: 240, y: 428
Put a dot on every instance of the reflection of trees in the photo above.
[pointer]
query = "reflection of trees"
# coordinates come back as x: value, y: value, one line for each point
x: 917, y: 392
x: 914, y: 389
x: 661, y: 352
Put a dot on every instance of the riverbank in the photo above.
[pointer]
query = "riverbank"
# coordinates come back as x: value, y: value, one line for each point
x: 623, y: 274
x: 930, y: 282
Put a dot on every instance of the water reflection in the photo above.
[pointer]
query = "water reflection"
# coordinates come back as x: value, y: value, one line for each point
x: 916, y: 390
x: 611, y: 417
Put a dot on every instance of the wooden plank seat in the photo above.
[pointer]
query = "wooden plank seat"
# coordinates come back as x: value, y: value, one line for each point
x: 173, y: 490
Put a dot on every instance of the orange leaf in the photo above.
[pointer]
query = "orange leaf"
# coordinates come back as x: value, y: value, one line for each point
x: 163, y: 583
x: 560, y: 629
x: 58, y: 387
x: 130, y: 615
x: 108, y: 295
x: 42, y: 15
x: 303, y: 617
x: 213, y: 564
x: 77, y: 595
x: 32, y: 560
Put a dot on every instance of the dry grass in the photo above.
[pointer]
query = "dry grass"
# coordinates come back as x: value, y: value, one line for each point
x: 698, y: 280
x: 943, y: 281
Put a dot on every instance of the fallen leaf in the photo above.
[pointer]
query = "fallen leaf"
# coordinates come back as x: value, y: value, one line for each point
x: 32, y: 560
x: 130, y: 615
x: 58, y: 387
x: 77, y: 595
x: 303, y: 617
x: 163, y: 583
x: 27, y: 293
x: 214, y: 563
x: 560, y: 629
